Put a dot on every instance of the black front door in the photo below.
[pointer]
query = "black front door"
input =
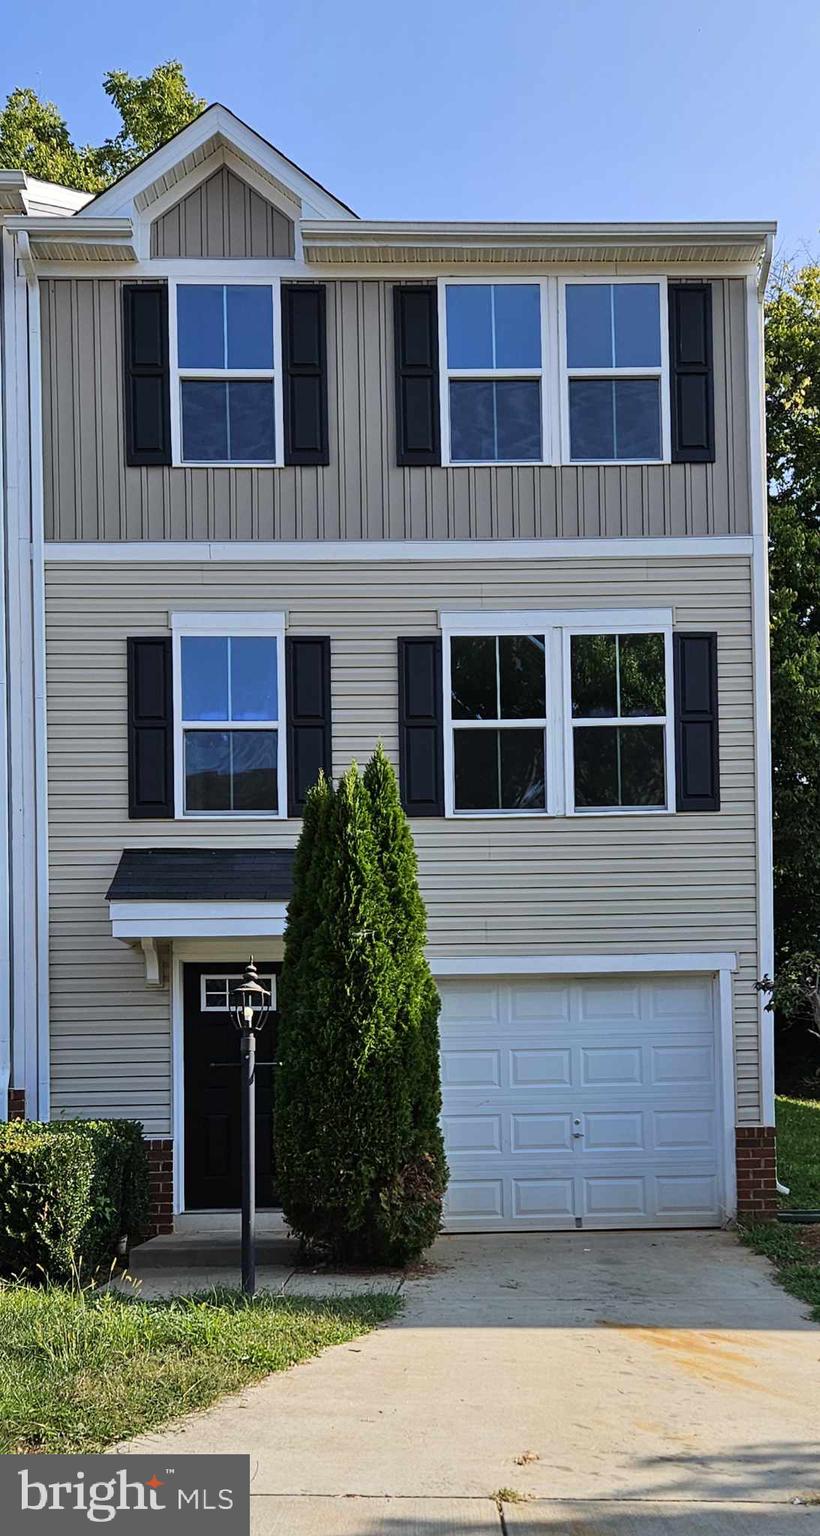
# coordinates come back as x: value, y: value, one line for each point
x: 213, y: 1143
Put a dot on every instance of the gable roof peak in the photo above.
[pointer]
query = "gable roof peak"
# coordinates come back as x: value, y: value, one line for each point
x: 218, y: 124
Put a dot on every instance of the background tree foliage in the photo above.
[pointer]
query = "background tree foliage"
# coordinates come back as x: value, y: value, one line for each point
x: 793, y: 428
x: 152, y: 108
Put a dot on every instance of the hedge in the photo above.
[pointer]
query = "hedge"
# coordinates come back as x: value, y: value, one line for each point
x: 69, y: 1191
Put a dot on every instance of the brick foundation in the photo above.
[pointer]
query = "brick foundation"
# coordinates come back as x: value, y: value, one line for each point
x: 756, y: 1173
x: 161, y: 1177
x: 17, y: 1104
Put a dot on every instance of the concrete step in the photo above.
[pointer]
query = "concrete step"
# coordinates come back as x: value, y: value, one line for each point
x: 208, y: 1250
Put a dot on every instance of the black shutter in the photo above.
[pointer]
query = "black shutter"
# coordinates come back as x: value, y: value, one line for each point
x: 415, y: 314
x: 691, y: 373
x: 150, y: 728
x: 304, y: 357
x: 697, y: 763
x: 147, y: 381
x: 310, y: 744
x: 421, y: 738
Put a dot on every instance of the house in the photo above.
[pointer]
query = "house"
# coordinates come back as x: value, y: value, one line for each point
x: 281, y: 482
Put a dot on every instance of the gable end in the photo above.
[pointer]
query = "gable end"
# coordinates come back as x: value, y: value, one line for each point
x: 223, y: 218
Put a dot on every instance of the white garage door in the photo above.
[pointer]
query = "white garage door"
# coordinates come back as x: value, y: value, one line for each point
x: 580, y: 1103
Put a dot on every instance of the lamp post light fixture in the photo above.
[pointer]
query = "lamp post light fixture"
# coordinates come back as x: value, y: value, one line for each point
x: 250, y: 1009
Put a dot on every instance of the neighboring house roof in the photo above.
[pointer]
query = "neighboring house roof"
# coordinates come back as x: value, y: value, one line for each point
x: 21, y: 193
x: 203, y: 874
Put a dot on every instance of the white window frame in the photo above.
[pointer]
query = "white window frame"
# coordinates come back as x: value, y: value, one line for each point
x: 269, y: 625
x: 177, y: 374
x: 267, y: 978
x: 452, y: 726
x: 661, y: 373
x: 557, y: 627
x: 545, y: 374
x: 667, y: 721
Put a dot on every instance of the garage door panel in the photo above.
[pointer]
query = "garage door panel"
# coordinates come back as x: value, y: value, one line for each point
x: 608, y: 1001
x: 684, y: 1129
x: 614, y: 1131
x: 473, y: 1133
x: 611, y: 1066
x: 580, y: 1103
x: 683, y: 1063
x: 680, y: 1194
x: 534, y: 1132
x: 688, y: 998
x: 471, y: 1069
x: 551, y: 1067
x: 614, y: 1196
x: 532, y: 1002
x: 543, y: 1198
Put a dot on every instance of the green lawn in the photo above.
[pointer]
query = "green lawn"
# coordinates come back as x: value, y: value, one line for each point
x: 795, y: 1251
x: 798, y: 1152
x: 80, y: 1371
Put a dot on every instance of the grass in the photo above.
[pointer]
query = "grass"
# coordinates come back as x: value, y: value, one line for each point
x: 81, y: 1370
x: 795, y: 1250
x: 798, y: 1152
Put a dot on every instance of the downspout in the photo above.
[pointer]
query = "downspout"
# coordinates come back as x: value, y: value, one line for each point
x: 760, y: 611
x: 35, y: 411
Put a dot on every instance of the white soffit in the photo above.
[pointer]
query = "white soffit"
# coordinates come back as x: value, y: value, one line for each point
x: 332, y: 242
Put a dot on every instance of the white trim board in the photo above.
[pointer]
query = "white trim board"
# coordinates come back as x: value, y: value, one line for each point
x: 152, y: 551
x: 137, y: 920
x: 582, y: 965
x: 762, y: 695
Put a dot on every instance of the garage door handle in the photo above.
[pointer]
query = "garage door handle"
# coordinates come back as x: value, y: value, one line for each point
x: 577, y: 1133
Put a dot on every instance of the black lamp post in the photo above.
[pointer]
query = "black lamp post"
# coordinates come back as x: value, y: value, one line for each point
x: 250, y: 1007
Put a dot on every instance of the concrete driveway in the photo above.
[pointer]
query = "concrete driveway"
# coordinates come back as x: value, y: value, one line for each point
x: 630, y: 1384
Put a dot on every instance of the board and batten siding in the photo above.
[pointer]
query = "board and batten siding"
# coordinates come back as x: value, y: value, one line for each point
x: 580, y: 885
x: 89, y: 493
x: 223, y: 218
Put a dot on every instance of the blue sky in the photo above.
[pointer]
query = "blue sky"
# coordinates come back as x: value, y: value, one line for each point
x: 521, y: 109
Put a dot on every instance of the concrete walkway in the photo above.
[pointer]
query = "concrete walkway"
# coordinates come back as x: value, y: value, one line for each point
x: 630, y: 1384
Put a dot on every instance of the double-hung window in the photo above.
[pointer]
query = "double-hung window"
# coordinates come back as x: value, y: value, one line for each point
x: 621, y: 734
x: 498, y: 709
x: 493, y: 365
x: 229, y: 727
x: 224, y: 398
x: 615, y: 345
x: 558, y: 713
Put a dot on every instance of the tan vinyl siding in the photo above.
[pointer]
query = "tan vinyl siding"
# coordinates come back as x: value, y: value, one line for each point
x: 222, y: 218
x: 513, y: 886
x: 361, y: 493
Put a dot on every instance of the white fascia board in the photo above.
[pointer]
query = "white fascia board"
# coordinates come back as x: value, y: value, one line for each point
x: 705, y: 963
x: 218, y: 119
x: 725, y: 231
x: 356, y: 551
x: 58, y: 227
x: 137, y: 920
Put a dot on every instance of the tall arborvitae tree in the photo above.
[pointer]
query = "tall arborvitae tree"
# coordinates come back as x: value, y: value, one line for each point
x: 415, y: 1202
x: 356, y: 1178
